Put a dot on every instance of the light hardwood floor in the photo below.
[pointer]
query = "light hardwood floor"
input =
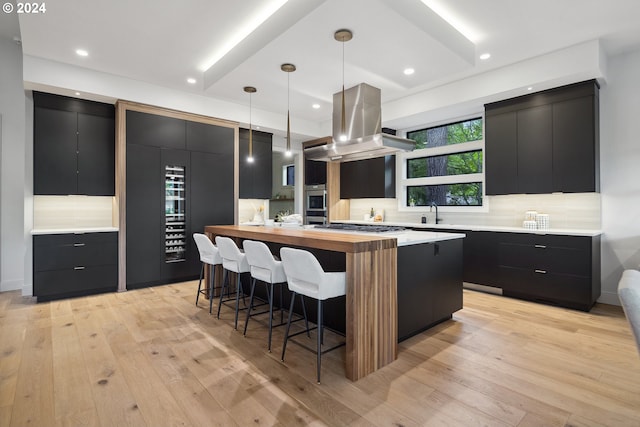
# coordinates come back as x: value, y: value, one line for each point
x: 152, y: 358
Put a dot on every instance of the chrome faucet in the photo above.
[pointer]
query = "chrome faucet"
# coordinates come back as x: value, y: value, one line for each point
x: 431, y: 206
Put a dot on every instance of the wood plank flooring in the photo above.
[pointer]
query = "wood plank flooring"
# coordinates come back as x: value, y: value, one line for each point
x: 150, y: 357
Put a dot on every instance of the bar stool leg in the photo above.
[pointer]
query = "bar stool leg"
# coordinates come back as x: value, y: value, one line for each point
x: 286, y: 334
x: 212, y: 272
x: 238, y: 289
x: 200, y: 284
x: 270, y: 313
x: 246, y: 322
x: 304, y: 312
x: 225, y: 278
x: 319, y: 341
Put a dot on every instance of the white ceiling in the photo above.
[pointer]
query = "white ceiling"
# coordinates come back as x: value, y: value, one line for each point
x: 165, y: 42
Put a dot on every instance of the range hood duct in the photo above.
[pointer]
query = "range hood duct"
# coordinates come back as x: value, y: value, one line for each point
x: 365, y: 139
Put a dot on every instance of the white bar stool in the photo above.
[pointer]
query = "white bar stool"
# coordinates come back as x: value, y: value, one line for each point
x: 210, y: 256
x: 233, y: 259
x: 267, y: 269
x: 305, y: 276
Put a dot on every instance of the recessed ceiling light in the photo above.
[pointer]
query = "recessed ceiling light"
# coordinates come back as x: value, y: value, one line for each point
x: 530, y: 88
x: 409, y: 71
x: 77, y: 93
x: 82, y: 52
x: 191, y: 80
x: 485, y: 56
x: 315, y: 106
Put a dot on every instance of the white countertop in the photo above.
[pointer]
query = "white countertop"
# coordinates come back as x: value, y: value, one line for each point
x: 563, y: 231
x: 403, y: 237
x: 77, y: 230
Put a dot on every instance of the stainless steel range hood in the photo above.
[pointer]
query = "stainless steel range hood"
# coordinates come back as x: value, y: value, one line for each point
x: 363, y: 123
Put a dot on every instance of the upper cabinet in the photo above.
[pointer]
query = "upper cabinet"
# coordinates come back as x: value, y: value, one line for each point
x: 543, y: 143
x: 315, y: 172
x: 73, y: 146
x: 370, y: 178
x: 256, y: 177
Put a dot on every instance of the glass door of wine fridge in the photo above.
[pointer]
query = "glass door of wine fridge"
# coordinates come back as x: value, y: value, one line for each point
x: 175, y: 214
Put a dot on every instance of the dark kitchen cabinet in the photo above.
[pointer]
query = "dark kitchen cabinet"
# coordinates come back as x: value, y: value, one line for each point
x: 501, y: 154
x: 370, y: 178
x: 211, y: 196
x: 172, y: 193
x: 156, y: 131
x: 429, y: 285
x: 535, y: 150
x: 68, y: 265
x: 544, y: 142
x: 143, y: 219
x: 256, y: 178
x: 575, y: 128
x: 555, y: 269
x: 315, y: 172
x: 74, y: 146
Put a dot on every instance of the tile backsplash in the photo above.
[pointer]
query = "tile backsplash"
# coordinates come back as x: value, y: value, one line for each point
x: 566, y: 210
x: 52, y: 212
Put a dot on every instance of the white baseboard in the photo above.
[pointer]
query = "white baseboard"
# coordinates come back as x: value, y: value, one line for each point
x: 11, y: 285
x: 609, y: 298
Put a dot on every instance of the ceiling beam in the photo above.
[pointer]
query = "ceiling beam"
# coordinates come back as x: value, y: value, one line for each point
x: 423, y: 17
x: 290, y: 13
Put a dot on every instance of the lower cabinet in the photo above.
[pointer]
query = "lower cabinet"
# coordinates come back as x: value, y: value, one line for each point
x: 429, y: 285
x: 556, y: 269
x: 68, y: 265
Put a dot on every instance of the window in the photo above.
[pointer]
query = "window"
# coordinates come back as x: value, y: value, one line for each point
x: 288, y: 175
x: 446, y: 167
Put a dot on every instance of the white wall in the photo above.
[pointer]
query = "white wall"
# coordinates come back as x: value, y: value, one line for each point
x: 619, y: 171
x: 13, y: 250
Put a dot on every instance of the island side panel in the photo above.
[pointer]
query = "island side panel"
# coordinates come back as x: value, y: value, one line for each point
x: 371, y: 309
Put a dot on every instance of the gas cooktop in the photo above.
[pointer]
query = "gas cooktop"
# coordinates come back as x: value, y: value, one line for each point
x: 357, y: 227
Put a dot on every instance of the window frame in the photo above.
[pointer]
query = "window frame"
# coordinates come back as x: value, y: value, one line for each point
x: 402, y: 182
x: 285, y: 174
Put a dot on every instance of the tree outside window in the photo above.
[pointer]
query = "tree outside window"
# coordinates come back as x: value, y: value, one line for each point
x: 457, y: 163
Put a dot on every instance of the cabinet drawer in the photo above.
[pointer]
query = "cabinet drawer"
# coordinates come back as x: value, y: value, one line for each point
x: 563, y: 289
x: 65, y: 251
x: 561, y: 260
x: 71, y: 282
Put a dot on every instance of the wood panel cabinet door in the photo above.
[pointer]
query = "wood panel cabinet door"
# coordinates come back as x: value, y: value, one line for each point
x: 575, y: 157
x: 55, y: 152
x: 145, y: 247
x: 96, y: 155
x: 535, y: 150
x: 501, y: 153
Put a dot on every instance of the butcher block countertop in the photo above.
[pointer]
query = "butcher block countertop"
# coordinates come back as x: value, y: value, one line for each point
x: 319, y: 239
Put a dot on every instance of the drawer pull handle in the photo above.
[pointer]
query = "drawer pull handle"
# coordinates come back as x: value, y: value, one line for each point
x: 541, y: 271
x: 78, y: 268
x: 541, y: 246
x: 78, y: 244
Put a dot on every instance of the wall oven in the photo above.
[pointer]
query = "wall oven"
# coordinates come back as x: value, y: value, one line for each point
x: 315, y: 204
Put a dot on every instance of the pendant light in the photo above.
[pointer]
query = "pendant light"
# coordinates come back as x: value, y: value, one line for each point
x: 288, y: 68
x: 250, y: 90
x: 343, y: 36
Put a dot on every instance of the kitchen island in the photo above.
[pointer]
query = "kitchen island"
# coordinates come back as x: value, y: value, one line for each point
x: 371, y: 265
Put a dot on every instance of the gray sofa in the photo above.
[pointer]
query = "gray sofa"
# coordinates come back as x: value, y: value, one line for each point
x: 629, y: 293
